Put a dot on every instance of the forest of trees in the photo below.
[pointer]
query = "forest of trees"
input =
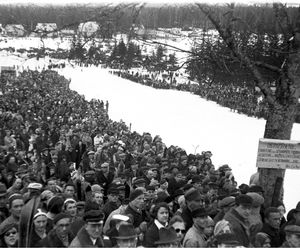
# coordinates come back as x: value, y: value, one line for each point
x: 120, y: 18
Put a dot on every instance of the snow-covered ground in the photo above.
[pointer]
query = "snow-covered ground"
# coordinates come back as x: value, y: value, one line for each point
x: 185, y: 120
x: 180, y: 118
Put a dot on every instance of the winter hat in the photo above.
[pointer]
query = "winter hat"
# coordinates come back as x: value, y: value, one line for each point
x: 93, y: 216
x: 256, y: 189
x: 227, y: 201
x: 14, y: 197
x: 292, y: 229
x: 258, y: 200
x: 166, y: 236
x: 96, y: 188
x: 135, y: 193
x: 192, y: 195
x: 199, y: 212
x: 35, y: 186
x: 59, y: 217
x: 244, y: 199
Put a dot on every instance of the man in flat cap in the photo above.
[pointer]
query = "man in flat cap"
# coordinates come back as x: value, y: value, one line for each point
x: 60, y: 235
x: 292, y: 236
x: 224, y: 205
x: 111, y: 203
x: 238, y: 219
x: 15, y: 205
x: 104, y: 176
x: 193, y: 200
x: 90, y: 235
x: 195, y: 236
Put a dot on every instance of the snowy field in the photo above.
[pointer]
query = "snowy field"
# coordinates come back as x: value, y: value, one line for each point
x: 180, y: 118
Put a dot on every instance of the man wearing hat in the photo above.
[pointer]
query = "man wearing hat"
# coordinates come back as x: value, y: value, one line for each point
x: 167, y: 238
x: 127, y: 237
x: 193, y: 200
x: 197, y: 182
x: 104, y: 177
x: 139, y: 182
x: 135, y: 209
x: 292, y: 236
x: 60, y: 235
x: 238, y: 219
x: 195, y: 236
x: 295, y: 215
x: 112, y: 201
x: 225, y: 205
x: 90, y: 235
x: 255, y: 219
x: 15, y: 205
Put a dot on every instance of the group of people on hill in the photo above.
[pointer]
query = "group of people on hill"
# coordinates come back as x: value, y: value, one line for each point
x: 72, y: 177
x: 241, y: 98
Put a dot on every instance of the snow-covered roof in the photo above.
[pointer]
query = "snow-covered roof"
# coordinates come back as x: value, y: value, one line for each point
x: 46, y: 27
x: 88, y: 28
x: 14, y: 27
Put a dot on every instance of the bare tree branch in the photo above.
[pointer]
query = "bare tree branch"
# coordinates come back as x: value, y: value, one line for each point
x: 227, y: 36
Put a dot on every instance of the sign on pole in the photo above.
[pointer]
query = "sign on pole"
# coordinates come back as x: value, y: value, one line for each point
x: 278, y: 154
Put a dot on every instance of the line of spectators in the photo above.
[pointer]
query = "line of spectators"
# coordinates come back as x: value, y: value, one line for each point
x: 72, y: 177
x: 241, y: 99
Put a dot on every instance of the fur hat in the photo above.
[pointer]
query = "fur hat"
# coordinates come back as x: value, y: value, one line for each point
x: 192, y: 195
x: 135, y: 193
x: 258, y: 200
x: 244, y: 199
x: 59, y: 217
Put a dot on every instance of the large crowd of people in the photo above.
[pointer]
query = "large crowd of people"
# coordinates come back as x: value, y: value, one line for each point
x: 72, y: 177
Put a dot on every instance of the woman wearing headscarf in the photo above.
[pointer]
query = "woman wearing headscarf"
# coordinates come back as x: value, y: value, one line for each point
x: 39, y: 228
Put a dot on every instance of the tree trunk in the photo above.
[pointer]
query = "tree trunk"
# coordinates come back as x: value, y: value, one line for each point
x: 279, y: 125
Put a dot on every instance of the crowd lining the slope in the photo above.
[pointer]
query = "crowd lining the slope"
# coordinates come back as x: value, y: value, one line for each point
x: 98, y: 184
x: 239, y: 98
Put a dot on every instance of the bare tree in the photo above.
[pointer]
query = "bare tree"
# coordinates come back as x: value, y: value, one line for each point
x: 278, y: 65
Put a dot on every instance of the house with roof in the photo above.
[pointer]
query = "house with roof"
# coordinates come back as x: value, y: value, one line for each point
x: 15, y: 30
x: 46, y: 29
x: 88, y: 29
x: 67, y: 32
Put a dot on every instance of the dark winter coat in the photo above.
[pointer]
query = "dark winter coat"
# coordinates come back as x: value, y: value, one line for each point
x: 109, y: 207
x: 277, y: 238
x: 138, y: 217
x: 151, y: 235
x: 83, y: 240
x: 187, y: 217
x: 104, y: 181
x: 52, y: 240
x: 239, y: 227
x: 34, y: 239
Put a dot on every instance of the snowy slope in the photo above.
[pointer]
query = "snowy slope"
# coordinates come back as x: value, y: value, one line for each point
x: 185, y: 120
x: 180, y: 118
